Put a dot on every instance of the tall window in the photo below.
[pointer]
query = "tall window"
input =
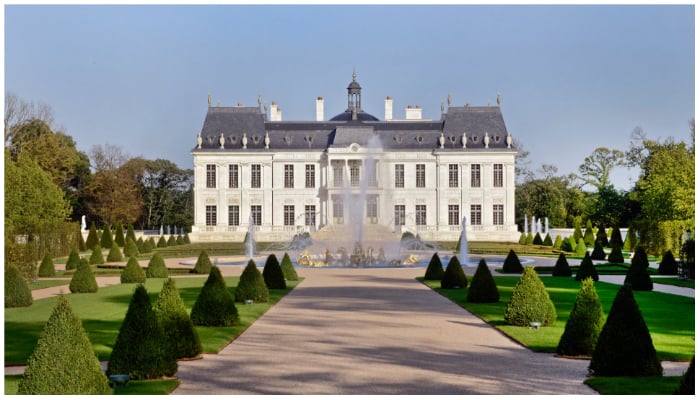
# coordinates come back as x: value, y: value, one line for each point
x: 256, y: 213
x: 288, y: 176
x: 399, y: 214
x: 288, y: 215
x: 453, y: 175
x: 420, y: 214
x: 398, y: 175
x: 371, y: 210
x: 233, y: 176
x: 497, y: 175
x: 310, y: 175
x: 234, y: 215
x: 338, y: 176
x: 354, y: 174
x: 211, y: 175
x: 338, y: 211
x: 498, y: 214
x: 476, y: 175
x: 453, y: 214
x: 211, y: 215
x: 420, y: 175
x: 255, y: 175
x: 310, y: 215
x: 476, y: 214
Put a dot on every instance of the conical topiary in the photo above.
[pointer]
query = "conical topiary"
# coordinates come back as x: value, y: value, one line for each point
x: 566, y: 245
x: 615, y: 255
x: 73, y: 260
x: 81, y: 241
x: 140, y: 245
x: 176, y: 323
x: 601, y: 236
x: 17, y: 292
x: 581, y: 248
x: 523, y: 238
x: 119, y: 235
x: 141, y: 350
x: 179, y: 240
x: 156, y: 267
x: 667, y: 266
x: 251, y: 285
x: 454, y: 277
x: 588, y: 236
x: 530, y: 302
x: 203, y: 265
x: 106, y: 240
x: 529, y: 238
x: 577, y: 234
x: 537, y: 240
x: 483, y: 288
x: 162, y: 242
x: 46, y: 268
x: 96, y: 257
x: 586, y: 269
x: 624, y: 346
x: 83, y: 280
x: 434, y: 271
x: 133, y: 273
x: 584, y: 324
x: 615, y: 238
x: 687, y: 385
x: 598, y: 252
x: 130, y: 248
x: 638, y: 276
x: 561, y: 268
x: 557, y: 242
x: 92, y: 239
x: 547, y: 241
x: 130, y: 233
x: 511, y: 264
x: 115, y: 253
x: 290, y: 273
x: 171, y: 241
x: 63, y: 361
x: 272, y: 273
x: 151, y: 245
x: 630, y: 240
x: 187, y: 238
x: 215, y: 305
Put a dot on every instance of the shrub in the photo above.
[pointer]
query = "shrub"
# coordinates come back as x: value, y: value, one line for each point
x: 558, y: 242
x: 46, y: 268
x: 187, y: 238
x: 140, y: 245
x: 203, y: 265
x: 561, y: 268
x: 581, y: 248
x: 577, y: 234
x: 177, y: 326
x: 131, y: 249
x: 251, y: 285
x: 530, y: 302
x: 434, y: 272
x: 547, y: 241
x: 17, y: 292
x: 454, y: 276
x: 290, y: 273
x: 215, y: 305
x: 630, y: 240
x: 141, y: 350
x: 83, y: 280
x: 566, y: 245
x: 624, y: 346
x: 537, y: 240
x: 667, y: 266
x: 687, y: 385
x: 130, y: 233
x: 63, y: 361
x: 598, y: 252
x: 586, y: 269
x: 81, y: 241
x: 106, y: 240
x: 588, y: 237
x: 96, y: 256
x: 171, y: 241
x: 92, y: 239
x: 615, y: 237
x: 115, y: 254
x: 179, y: 240
x: 119, y: 235
x: 483, y: 288
x: 272, y: 273
x: 511, y: 264
x: 529, y: 239
x: 523, y: 238
x: 638, y: 276
x: 73, y: 260
x: 601, y: 236
x: 615, y: 255
x: 162, y: 242
x: 584, y: 324
x: 133, y: 273
x: 152, y: 244
x: 156, y: 267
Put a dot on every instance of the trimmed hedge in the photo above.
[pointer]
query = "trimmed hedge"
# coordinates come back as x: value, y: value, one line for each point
x: 547, y: 241
x: 215, y: 305
x: 73, y: 260
x: 667, y: 266
x: 530, y: 302
x: 561, y: 268
x: 96, y: 257
x: 523, y: 238
x: 615, y: 255
x: 46, y: 268
x: 290, y: 273
x: 178, y: 328
x: 131, y: 249
x: 92, y: 239
x: 577, y: 234
x: 558, y: 242
x: 115, y: 253
x: 434, y: 271
x: 156, y: 267
x: 454, y: 276
x: 119, y: 235
x: 537, y: 240
x: 171, y: 241
x: 584, y: 324
x: 141, y: 350
x: 203, y: 265
x: 106, y: 240
x: 511, y: 264
x: 581, y: 248
x: 529, y: 238
x: 251, y: 285
x: 130, y: 233
x: 638, y: 276
x: 272, y: 273
x: 17, y: 292
x: 483, y: 288
x: 586, y: 269
x: 133, y: 273
x: 588, y: 237
x: 598, y: 252
x: 63, y: 361
x: 616, y: 238
x: 83, y: 280
x: 601, y: 236
x: 162, y: 242
x: 624, y: 346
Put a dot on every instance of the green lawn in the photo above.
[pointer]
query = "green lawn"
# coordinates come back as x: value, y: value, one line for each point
x: 150, y: 387
x: 103, y: 312
x: 44, y: 283
x: 670, y: 318
x: 648, y: 385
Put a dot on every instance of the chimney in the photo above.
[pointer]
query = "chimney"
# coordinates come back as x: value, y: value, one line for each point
x: 414, y: 112
x: 388, y: 108
x: 319, y: 108
x: 275, y: 112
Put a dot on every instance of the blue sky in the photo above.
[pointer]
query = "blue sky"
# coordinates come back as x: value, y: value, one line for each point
x: 572, y: 78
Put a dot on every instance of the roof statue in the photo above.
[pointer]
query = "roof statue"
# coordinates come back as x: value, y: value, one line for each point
x: 449, y: 99
x: 222, y: 141
x: 498, y: 98
x: 464, y: 140
x: 259, y: 100
x: 209, y: 99
x: 442, y: 140
x: 244, y: 141
x: 509, y: 141
x: 486, y: 140
x: 442, y: 107
x: 199, y: 140
x: 267, y: 140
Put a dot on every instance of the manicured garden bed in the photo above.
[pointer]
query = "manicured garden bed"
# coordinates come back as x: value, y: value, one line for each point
x: 648, y: 385
x: 44, y: 283
x: 146, y: 387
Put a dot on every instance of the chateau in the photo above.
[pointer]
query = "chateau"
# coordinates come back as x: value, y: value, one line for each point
x: 395, y: 175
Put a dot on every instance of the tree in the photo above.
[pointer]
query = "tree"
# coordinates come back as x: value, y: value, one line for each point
x: 637, y: 276
x: 203, y: 265
x: 530, y: 302
x: 624, y: 346
x: 272, y: 273
x: 454, y: 276
x: 63, y: 361
x: 215, y: 305
x: 251, y: 285
x: 561, y: 268
x: 483, y: 288
x: 586, y: 269
x: 434, y: 271
x: 290, y: 273
x: 83, y: 280
x: 584, y: 324
x: 511, y: 264
x: 178, y: 328
x: 156, y: 267
x: 596, y: 168
x: 141, y: 350
x: 17, y: 292
x: 133, y: 273
x: 18, y: 112
x: 667, y: 266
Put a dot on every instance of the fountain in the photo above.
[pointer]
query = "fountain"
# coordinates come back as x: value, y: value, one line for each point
x: 525, y: 225
x: 546, y: 225
x: 463, y: 250
x: 250, y: 239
